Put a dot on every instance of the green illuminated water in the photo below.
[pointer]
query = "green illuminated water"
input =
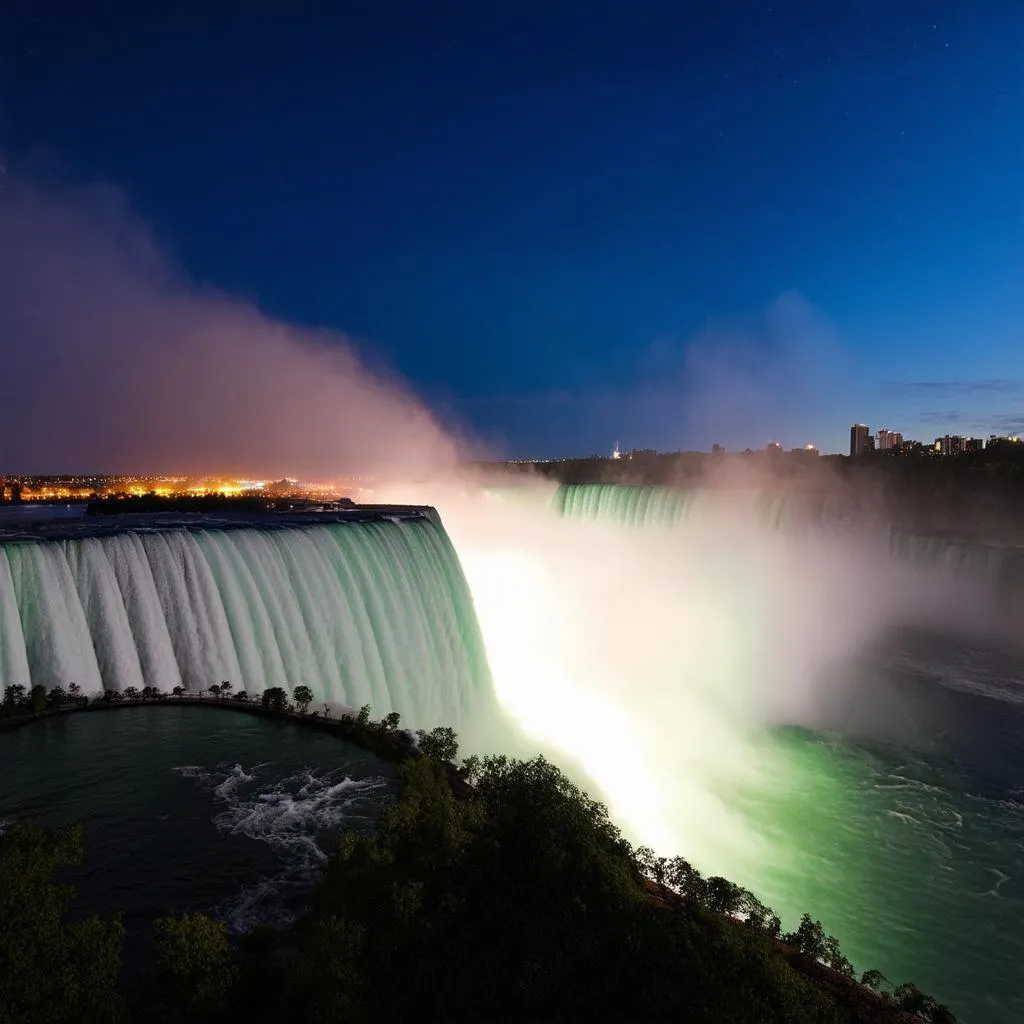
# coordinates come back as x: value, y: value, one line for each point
x: 899, y: 821
x: 901, y: 826
x: 374, y: 612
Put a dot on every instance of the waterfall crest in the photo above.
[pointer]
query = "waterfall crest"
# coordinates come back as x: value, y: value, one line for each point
x: 371, y: 612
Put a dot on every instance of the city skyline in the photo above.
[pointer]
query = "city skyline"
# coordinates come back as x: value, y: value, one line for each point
x: 554, y: 236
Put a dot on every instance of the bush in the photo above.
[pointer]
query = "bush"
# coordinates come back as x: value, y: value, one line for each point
x: 440, y: 744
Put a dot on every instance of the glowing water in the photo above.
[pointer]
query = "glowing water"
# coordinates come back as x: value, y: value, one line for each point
x: 374, y: 613
x: 658, y: 659
x: 654, y: 661
x: 651, y: 505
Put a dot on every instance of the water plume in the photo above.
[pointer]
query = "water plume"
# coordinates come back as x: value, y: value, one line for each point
x: 115, y: 361
x: 656, y: 657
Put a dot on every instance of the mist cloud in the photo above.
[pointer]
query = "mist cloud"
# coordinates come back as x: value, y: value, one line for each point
x: 113, y: 360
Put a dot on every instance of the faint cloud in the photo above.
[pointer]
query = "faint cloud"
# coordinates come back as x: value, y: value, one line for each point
x: 739, y: 381
x: 942, y: 417
x: 1012, y: 423
x: 768, y: 377
x: 932, y: 388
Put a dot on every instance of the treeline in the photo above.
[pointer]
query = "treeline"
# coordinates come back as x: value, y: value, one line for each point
x: 497, y: 891
x: 20, y: 701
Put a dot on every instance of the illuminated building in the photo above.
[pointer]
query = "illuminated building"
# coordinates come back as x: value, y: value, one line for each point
x: 950, y: 445
x: 860, y: 440
x: 888, y: 439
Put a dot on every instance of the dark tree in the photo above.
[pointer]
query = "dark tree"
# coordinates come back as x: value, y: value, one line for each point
x: 51, y: 970
x: 14, y: 694
x: 275, y: 699
x: 441, y: 743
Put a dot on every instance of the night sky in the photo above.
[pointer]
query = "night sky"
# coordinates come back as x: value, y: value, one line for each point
x: 659, y: 223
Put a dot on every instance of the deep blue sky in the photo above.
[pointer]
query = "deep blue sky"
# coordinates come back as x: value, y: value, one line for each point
x: 532, y: 208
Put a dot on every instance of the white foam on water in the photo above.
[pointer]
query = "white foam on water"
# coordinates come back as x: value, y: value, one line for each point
x: 298, y: 817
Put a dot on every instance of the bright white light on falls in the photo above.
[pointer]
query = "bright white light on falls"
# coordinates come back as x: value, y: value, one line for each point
x: 653, y: 658
x: 517, y: 617
x: 628, y: 653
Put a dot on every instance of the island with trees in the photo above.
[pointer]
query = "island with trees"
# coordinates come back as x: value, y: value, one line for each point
x: 493, y: 890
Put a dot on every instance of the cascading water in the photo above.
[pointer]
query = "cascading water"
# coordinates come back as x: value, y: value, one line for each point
x: 750, y: 678
x: 667, y: 663
x: 998, y: 570
x: 370, y: 612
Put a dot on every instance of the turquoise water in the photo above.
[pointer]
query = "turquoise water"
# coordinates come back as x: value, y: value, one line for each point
x: 191, y: 808
x: 899, y: 819
x: 912, y: 852
x: 374, y: 613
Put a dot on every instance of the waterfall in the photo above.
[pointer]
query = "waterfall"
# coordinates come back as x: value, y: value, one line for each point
x: 371, y: 612
x: 994, y: 570
x: 652, y: 505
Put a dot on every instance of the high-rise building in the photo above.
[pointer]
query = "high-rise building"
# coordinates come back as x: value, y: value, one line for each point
x: 860, y: 440
x: 951, y: 444
x: 888, y: 439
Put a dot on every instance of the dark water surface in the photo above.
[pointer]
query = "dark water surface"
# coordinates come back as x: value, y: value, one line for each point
x: 191, y: 808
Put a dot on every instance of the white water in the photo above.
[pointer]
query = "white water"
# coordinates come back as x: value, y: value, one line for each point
x: 296, y: 817
x: 373, y: 613
x: 653, y: 659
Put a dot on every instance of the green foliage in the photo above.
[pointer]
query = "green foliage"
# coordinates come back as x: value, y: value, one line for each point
x: 809, y: 939
x: 195, y: 974
x: 470, y: 768
x: 391, y: 721
x: 51, y: 970
x: 441, y: 743
x: 873, y: 979
x: 522, y: 902
x: 723, y: 896
x: 275, y: 699
x: 513, y: 899
x: 909, y: 997
x: 303, y: 697
x: 14, y: 694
